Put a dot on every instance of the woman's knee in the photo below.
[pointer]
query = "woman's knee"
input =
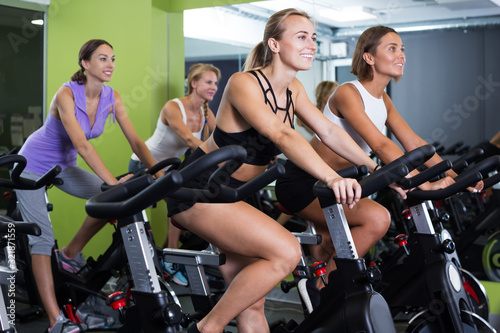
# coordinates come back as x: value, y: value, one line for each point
x: 380, y: 220
x: 291, y: 254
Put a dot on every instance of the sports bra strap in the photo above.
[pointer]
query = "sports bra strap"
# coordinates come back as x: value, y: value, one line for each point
x: 275, y: 108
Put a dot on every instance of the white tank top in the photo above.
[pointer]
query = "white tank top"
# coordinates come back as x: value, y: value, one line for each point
x: 374, y: 108
x: 165, y: 143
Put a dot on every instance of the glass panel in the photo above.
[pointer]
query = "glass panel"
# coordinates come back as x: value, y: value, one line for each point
x: 21, y: 78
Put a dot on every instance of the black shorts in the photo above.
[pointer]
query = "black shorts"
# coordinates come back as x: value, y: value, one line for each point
x: 176, y: 206
x: 294, y: 189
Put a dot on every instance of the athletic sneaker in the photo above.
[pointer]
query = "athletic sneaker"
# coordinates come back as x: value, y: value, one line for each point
x: 177, y: 276
x: 309, y: 293
x: 73, y: 265
x: 64, y: 325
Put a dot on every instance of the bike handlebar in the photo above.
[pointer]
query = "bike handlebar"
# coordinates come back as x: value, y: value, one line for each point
x: 484, y: 166
x: 425, y: 175
x: 8, y: 226
x: 17, y: 182
x: 415, y: 157
x: 468, y: 157
x: 133, y: 196
x: 371, y: 184
x: 453, y: 189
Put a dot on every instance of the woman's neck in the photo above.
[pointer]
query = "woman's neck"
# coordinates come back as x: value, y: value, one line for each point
x: 375, y: 86
x: 195, y: 100
x: 93, y: 88
x: 279, y: 77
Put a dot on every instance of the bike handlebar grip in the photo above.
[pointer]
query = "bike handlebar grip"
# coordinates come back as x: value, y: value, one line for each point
x: 109, y: 202
x: 220, y: 193
x: 453, y: 189
x: 48, y: 177
x: 18, y: 169
x: 349, y: 172
x: 220, y: 155
x: 469, y: 156
x: 174, y: 162
x: 460, y: 166
x: 453, y: 148
x: 8, y: 225
x: 426, y: 175
x: 383, y: 178
x: 371, y: 184
x: 490, y: 181
x: 133, y: 196
x: 484, y: 166
x: 362, y: 170
x: 415, y: 157
x: 22, y: 183
x: 228, y: 194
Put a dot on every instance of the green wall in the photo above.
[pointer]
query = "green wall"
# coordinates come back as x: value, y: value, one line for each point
x: 148, y: 72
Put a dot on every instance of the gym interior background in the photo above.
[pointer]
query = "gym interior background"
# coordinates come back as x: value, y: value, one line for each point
x: 449, y: 93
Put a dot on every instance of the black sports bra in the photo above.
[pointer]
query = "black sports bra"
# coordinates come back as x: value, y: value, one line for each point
x: 260, y: 150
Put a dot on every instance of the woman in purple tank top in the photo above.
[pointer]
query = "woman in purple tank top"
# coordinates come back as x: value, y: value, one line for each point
x: 77, y: 113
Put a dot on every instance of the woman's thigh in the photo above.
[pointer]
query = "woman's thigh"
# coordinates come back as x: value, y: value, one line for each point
x: 79, y: 182
x: 238, y: 228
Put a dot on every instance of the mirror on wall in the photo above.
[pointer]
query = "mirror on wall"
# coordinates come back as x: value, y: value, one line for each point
x: 224, y: 35
x: 21, y: 78
x: 21, y: 75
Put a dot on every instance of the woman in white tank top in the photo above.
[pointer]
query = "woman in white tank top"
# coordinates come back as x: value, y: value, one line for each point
x: 363, y: 108
x: 184, y: 123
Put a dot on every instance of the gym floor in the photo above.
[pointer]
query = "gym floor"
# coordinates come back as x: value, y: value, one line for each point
x: 279, y: 307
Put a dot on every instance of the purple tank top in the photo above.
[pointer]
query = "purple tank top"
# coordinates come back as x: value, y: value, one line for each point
x: 50, y: 144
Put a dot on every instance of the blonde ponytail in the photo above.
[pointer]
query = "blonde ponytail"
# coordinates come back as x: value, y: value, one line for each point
x: 206, y: 130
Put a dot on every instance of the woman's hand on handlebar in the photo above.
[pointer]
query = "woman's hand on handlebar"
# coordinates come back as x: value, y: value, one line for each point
x: 476, y: 188
x: 124, y: 179
x: 346, y: 190
x: 437, y: 185
x: 401, y: 191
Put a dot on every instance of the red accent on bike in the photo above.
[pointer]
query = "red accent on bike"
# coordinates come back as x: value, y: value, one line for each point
x: 70, y: 313
x: 319, y: 268
x: 406, y: 214
x: 468, y: 289
x: 401, y: 240
x: 117, y: 300
x: 438, y: 203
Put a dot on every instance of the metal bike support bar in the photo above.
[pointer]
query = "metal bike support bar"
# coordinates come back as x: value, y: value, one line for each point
x: 334, y: 213
x: 308, y: 236
x: 140, y: 257
x: 340, y: 232
x: 194, y: 261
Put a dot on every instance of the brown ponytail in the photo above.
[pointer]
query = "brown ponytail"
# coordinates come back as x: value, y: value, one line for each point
x: 79, y: 76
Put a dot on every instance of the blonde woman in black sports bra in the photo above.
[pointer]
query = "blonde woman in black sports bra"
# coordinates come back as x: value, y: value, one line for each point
x: 256, y: 112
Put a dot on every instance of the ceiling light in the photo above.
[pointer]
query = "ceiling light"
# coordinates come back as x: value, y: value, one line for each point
x: 37, y: 22
x: 496, y: 2
x: 348, y: 14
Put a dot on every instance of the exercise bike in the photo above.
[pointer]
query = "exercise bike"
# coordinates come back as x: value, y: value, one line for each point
x: 10, y: 231
x: 423, y: 282
x: 152, y: 308
x: 349, y: 302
